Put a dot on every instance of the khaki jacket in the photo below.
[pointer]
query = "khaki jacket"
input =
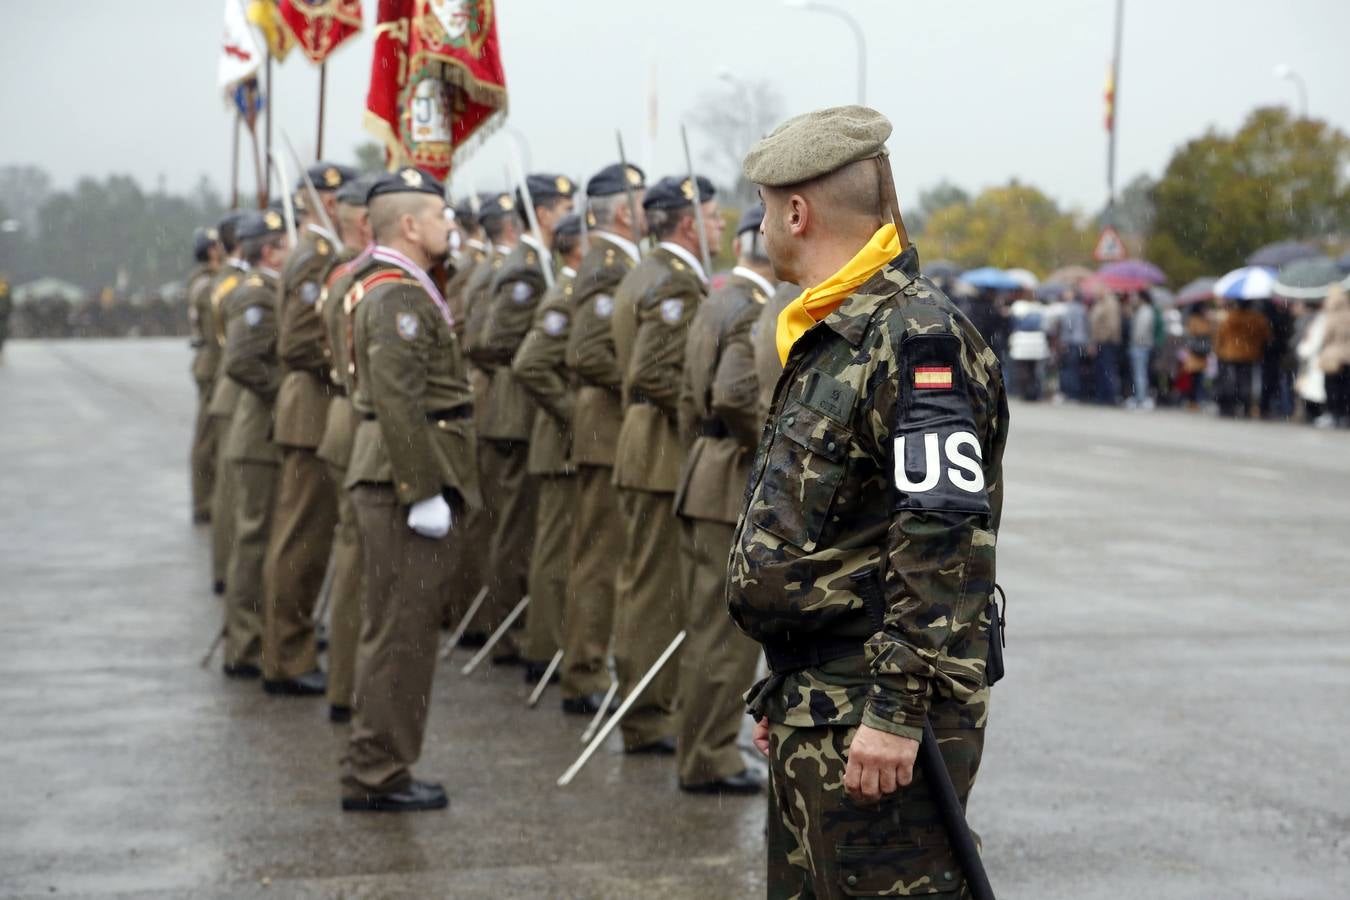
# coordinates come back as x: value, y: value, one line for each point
x: 339, y: 430
x: 512, y: 297
x: 206, y: 360
x: 652, y: 311
x: 720, y: 418
x: 590, y: 352
x: 306, y: 388
x: 475, y: 321
x: 465, y: 264
x: 250, y: 360
x: 225, y: 393
x: 540, y: 369
x: 411, y: 392
x: 764, y: 338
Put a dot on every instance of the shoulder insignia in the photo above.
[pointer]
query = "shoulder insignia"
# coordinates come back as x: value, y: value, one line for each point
x: 676, y: 265
x: 254, y: 281
x: 521, y: 291
x: 225, y: 286
x: 408, y: 326
x: 555, y: 322
x: 530, y: 258
x: 253, y: 316
x: 309, y: 292
x: 322, y: 247
x: 672, y: 310
x: 758, y: 296
x: 604, y: 306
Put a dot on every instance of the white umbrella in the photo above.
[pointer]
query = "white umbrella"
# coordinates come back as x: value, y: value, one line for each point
x: 1247, y: 283
x: 1023, y: 277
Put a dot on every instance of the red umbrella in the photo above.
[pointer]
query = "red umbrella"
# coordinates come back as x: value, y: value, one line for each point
x: 1130, y: 275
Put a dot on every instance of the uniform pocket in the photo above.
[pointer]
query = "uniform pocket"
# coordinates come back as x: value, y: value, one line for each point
x: 806, y: 464
x: 898, y: 870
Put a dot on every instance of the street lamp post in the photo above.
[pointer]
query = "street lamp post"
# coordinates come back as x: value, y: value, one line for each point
x: 857, y: 33
x: 1285, y: 72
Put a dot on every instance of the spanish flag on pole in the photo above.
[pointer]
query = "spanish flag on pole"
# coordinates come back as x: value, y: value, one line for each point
x: 1111, y: 97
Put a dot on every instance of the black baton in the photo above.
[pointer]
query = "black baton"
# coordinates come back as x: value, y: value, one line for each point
x: 953, y: 816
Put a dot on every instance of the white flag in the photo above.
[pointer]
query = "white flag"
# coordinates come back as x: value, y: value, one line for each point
x: 240, y: 56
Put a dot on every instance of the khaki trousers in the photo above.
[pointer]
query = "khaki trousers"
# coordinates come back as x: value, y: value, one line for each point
x: 508, y: 494
x: 649, y: 612
x: 717, y: 661
x: 297, y: 558
x: 406, y: 577
x: 223, y: 505
x: 344, y: 630
x: 548, y: 566
x: 473, y: 542
x: 588, y: 615
x: 203, y: 456
x: 255, y: 491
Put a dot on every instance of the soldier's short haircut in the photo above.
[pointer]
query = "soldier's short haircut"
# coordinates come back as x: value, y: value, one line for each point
x: 842, y: 196
x: 495, y: 226
x: 752, y: 247
x: 601, y: 209
x: 663, y: 222
x: 549, y: 204
x: 253, y: 247
x: 387, y: 209
x: 228, y: 240
x: 349, y: 215
x: 565, y: 244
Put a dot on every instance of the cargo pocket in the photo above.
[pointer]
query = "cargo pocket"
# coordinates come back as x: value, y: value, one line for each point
x: 899, y: 870
x: 803, y: 472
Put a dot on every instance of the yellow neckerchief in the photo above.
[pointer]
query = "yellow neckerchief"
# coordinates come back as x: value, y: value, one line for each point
x: 818, y: 302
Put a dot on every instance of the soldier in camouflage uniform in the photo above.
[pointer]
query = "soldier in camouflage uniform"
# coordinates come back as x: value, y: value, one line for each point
x: 539, y: 368
x: 505, y: 422
x: 306, y: 506
x: 863, y: 562
x: 595, y: 428
x: 720, y: 420
x: 250, y: 361
x: 652, y: 311
x: 205, y: 360
x: 335, y: 447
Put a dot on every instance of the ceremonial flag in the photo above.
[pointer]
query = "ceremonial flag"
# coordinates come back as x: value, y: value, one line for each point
x: 320, y: 26
x: 265, y: 15
x: 436, y: 81
x: 240, y: 56
x: 1111, y: 98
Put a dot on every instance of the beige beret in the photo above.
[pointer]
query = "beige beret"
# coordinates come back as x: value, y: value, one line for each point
x: 817, y: 143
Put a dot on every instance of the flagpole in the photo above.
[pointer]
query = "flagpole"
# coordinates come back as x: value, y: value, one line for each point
x: 234, y: 162
x: 270, y: 101
x: 1115, y: 105
x: 323, y: 87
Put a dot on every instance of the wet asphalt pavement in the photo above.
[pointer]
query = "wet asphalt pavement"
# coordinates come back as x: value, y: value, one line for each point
x: 1173, y: 724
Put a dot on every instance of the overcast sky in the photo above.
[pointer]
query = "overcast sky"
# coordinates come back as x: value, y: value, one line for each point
x: 979, y: 90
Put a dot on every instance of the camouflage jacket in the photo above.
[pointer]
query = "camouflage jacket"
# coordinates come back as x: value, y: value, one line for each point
x: 879, y: 473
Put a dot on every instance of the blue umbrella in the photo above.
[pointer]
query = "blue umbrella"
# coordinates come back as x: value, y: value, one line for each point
x: 1282, y: 253
x: 1247, y: 283
x: 994, y: 279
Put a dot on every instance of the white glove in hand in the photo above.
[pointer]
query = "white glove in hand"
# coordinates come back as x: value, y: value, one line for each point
x: 430, y: 517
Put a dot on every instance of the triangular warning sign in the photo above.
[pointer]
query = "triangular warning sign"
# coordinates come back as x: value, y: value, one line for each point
x: 1110, y: 248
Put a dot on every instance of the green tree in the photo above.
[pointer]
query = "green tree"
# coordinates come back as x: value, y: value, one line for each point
x: 1222, y: 197
x: 939, y: 196
x: 1012, y: 226
x: 370, y: 157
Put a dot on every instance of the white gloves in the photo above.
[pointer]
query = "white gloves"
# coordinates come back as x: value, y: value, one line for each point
x: 430, y: 517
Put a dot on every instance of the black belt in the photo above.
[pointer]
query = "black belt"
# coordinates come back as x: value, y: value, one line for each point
x: 713, y: 428
x: 790, y: 655
x: 442, y: 415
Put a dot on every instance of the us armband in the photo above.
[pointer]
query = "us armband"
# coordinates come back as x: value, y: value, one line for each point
x: 938, y: 460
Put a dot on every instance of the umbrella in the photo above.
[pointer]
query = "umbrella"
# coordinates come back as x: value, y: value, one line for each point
x: 1247, y: 283
x: 1069, y: 276
x: 1130, y: 275
x: 1344, y: 263
x: 943, y: 269
x: 1309, y: 279
x: 989, y: 277
x: 1052, y: 291
x: 1024, y: 277
x: 1198, y: 291
x: 1282, y: 253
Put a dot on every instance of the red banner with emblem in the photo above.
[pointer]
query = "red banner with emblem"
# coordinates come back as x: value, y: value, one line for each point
x: 321, y: 26
x: 436, y: 81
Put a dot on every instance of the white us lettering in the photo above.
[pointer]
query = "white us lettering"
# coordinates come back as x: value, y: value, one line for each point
x: 965, y: 473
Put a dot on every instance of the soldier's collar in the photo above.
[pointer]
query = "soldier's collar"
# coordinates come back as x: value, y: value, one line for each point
x: 622, y: 243
x: 239, y: 263
x: 850, y: 320
x: 754, y: 278
x: 321, y: 232
x: 529, y: 239
x: 270, y: 273
x: 688, y: 258
x: 475, y: 244
x: 569, y: 271
x: 502, y: 249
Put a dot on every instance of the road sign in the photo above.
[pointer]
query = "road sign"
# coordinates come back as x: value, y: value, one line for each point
x: 1110, y: 248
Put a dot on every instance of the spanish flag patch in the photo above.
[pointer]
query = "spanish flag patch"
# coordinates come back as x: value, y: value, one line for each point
x: 932, y: 378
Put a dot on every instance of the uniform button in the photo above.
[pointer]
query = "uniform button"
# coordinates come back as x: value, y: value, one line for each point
x: 830, y: 446
x: 852, y: 880
x: 442, y: 424
x: 404, y: 486
x: 790, y: 420
x: 947, y: 875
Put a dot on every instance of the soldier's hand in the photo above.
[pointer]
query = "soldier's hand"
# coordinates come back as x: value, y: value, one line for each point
x: 878, y: 764
x: 761, y: 736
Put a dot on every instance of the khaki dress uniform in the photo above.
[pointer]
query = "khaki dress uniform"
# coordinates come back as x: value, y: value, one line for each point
x: 224, y: 398
x: 465, y: 264
x: 415, y: 439
x: 598, y: 535
x: 763, y: 338
x: 539, y: 368
x: 652, y: 311
x: 335, y: 449
x: 720, y: 418
x: 306, y: 505
x: 205, y: 361
x: 250, y: 361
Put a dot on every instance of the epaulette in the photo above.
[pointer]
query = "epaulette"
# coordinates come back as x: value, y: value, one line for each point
x: 254, y: 281
x: 369, y: 283
x: 322, y: 247
x: 226, y: 285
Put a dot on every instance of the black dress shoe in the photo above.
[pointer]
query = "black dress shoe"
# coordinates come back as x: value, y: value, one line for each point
x: 241, y: 670
x: 218, y: 588
x: 416, y: 796
x: 660, y: 747
x: 585, y: 705
x: 744, y: 782
x: 535, y: 671
x: 201, y: 518
x: 339, y: 714
x: 508, y: 659
x: 307, y: 685
x: 472, y: 640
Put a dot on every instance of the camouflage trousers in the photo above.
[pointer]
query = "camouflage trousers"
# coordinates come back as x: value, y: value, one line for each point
x: 823, y: 845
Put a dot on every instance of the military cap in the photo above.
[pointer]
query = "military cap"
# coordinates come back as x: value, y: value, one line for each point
x: 751, y: 219
x: 615, y: 179
x: 328, y: 176
x: 408, y: 180
x: 357, y: 191
x: 202, y: 241
x: 466, y: 210
x: 817, y: 143
x: 547, y: 188
x: 568, y: 226
x: 266, y: 223
x: 674, y: 192
x: 495, y: 205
